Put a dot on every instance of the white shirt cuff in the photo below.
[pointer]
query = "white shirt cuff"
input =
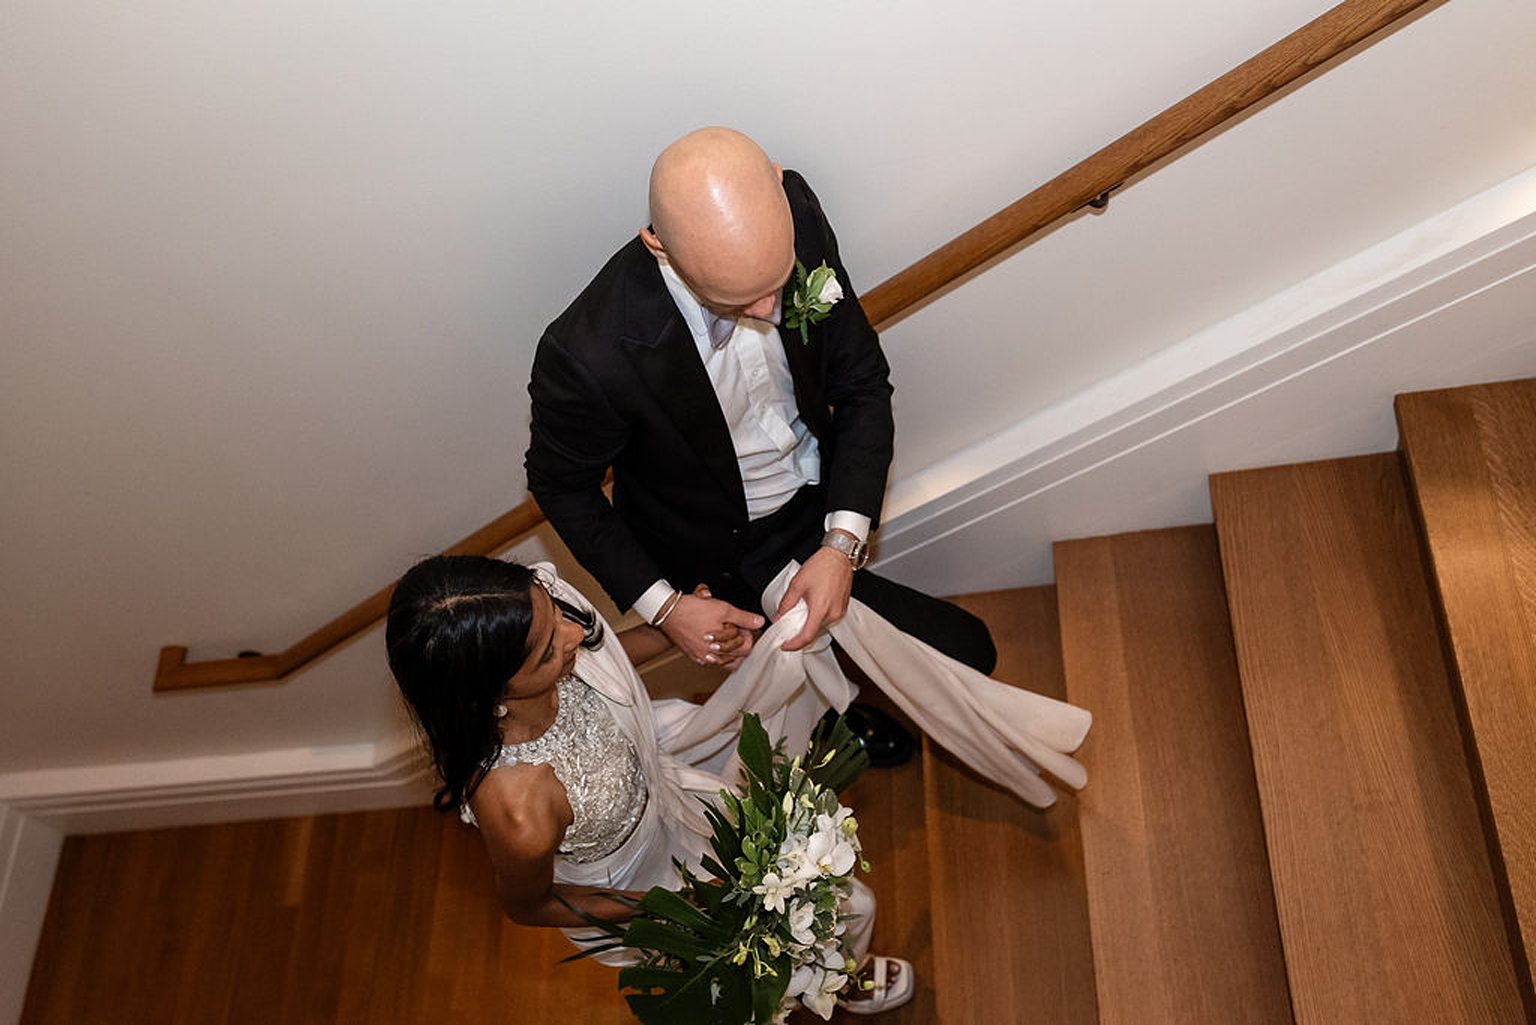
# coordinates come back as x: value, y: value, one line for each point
x: 655, y: 596
x: 854, y: 523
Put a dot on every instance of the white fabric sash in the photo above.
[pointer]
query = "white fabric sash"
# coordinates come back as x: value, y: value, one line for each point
x: 687, y: 751
x: 1006, y: 734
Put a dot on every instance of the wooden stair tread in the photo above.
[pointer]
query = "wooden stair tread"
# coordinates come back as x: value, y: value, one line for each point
x: 1471, y: 456
x: 1184, y: 924
x: 1010, y: 922
x: 1385, y: 894
x: 889, y: 807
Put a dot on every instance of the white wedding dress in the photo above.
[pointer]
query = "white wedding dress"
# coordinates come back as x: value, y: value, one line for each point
x: 636, y: 771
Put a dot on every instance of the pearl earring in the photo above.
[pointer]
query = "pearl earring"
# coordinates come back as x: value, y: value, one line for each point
x: 501, y: 711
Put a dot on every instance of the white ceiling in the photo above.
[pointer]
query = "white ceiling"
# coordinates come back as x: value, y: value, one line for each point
x: 271, y: 273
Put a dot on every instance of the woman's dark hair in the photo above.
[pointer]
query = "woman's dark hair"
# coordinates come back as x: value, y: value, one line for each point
x: 457, y: 632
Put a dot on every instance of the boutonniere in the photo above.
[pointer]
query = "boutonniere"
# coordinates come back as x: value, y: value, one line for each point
x: 814, y: 295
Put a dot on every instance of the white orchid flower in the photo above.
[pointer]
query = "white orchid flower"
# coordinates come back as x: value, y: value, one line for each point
x: 802, y: 922
x: 794, y: 863
x: 823, y: 998
x: 817, y: 988
x: 836, y: 822
x: 831, y: 853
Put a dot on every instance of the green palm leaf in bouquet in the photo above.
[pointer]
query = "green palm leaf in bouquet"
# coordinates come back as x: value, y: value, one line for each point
x: 724, y: 950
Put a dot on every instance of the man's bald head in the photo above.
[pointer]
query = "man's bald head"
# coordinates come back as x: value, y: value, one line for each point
x: 720, y: 216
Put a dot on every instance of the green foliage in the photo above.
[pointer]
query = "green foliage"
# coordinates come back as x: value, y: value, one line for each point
x: 835, y: 758
x: 805, y: 305
x: 709, y: 952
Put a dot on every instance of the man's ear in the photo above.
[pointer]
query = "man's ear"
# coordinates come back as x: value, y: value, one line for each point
x: 650, y: 241
x: 778, y: 170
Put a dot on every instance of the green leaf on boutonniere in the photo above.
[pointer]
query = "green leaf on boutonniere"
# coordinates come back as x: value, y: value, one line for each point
x: 812, y: 297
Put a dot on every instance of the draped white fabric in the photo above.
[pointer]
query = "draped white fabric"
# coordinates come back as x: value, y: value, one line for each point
x: 1007, y: 734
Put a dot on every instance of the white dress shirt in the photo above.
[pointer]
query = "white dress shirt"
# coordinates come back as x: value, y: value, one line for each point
x: 775, y: 450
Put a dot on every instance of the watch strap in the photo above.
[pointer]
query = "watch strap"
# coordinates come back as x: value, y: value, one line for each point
x: 857, y: 551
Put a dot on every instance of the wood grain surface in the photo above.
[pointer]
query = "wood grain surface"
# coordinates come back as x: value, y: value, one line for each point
x: 1471, y: 455
x: 1010, y: 912
x: 889, y: 807
x: 1184, y: 924
x: 1382, y: 879
x: 379, y: 917
x: 383, y: 916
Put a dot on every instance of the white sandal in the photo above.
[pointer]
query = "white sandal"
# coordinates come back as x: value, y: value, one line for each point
x: 886, y: 994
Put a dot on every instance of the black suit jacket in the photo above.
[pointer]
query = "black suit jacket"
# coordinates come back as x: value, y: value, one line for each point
x: 617, y: 382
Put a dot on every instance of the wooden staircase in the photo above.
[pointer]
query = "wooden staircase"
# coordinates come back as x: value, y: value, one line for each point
x: 1312, y: 773
x: 1311, y: 799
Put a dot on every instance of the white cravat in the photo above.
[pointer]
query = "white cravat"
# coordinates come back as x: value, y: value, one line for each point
x: 775, y: 450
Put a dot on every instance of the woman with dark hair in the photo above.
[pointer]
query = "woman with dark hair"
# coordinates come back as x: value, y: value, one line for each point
x: 545, y: 738
x: 484, y: 652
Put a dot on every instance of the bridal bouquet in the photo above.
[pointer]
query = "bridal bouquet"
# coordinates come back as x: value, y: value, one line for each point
x: 744, y: 945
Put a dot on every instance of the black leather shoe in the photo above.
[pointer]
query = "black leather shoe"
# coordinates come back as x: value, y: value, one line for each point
x: 885, y: 740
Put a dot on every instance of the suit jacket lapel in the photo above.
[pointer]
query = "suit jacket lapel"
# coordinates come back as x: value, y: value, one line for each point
x: 667, y: 363
x: 804, y: 368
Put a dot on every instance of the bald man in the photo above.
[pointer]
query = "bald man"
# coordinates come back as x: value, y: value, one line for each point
x: 735, y: 446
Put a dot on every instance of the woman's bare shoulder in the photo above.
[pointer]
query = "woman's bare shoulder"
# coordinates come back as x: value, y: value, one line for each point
x: 522, y: 809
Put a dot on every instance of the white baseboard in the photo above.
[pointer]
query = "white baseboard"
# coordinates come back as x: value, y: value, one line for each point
x: 223, y: 788
x: 29, y: 853
x: 1132, y: 451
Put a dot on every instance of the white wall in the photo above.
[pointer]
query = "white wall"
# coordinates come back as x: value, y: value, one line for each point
x: 273, y: 272
x: 1307, y: 374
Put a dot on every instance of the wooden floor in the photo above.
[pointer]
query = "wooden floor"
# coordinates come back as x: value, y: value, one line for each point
x: 372, y: 917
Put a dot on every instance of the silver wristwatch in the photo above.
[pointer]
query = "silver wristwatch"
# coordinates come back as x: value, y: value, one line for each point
x: 856, y: 550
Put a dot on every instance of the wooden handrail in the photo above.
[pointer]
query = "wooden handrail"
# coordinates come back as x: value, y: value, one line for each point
x: 175, y: 673
x: 1314, y: 44
x: 1321, y: 40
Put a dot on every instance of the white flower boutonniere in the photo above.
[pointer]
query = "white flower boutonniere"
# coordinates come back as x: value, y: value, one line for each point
x: 814, y: 295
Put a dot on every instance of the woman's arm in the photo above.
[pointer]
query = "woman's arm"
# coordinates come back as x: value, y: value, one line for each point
x: 643, y: 643
x: 523, y: 813
x: 589, y: 899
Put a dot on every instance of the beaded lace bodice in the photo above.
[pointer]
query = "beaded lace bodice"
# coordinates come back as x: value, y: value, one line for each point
x: 597, y: 765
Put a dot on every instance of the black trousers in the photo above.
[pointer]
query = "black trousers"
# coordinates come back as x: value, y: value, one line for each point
x: 794, y: 532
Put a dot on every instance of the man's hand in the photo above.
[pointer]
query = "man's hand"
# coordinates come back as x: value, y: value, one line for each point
x: 825, y: 581
x: 711, y: 631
